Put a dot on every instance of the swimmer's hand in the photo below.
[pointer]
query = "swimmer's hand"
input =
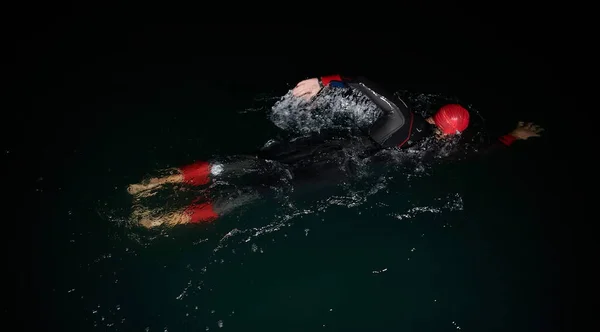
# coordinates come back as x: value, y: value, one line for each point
x: 307, y: 89
x: 526, y: 130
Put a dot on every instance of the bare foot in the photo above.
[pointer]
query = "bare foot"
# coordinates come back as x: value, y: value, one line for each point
x: 136, y: 188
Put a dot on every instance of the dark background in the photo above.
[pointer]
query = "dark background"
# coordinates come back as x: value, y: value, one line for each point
x: 515, y: 63
x: 524, y: 57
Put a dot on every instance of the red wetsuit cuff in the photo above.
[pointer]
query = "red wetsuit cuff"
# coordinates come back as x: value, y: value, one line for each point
x: 327, y: 79
x: 196, y: 174
x: 507, y: 139
x: 203, y: 212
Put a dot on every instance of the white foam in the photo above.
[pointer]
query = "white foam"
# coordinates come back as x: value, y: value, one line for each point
x: 332, y: 108
x: 216, y: 169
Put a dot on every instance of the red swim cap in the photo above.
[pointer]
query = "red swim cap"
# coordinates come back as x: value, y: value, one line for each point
x: 452, y: 118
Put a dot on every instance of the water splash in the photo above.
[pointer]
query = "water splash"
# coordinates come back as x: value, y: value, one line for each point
x: 452, y: 202
x: 331, y: 109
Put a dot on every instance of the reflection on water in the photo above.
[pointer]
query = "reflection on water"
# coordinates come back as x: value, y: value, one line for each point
x: 193, y: 277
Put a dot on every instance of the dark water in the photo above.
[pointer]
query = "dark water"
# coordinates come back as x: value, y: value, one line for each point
x: 488, y: 255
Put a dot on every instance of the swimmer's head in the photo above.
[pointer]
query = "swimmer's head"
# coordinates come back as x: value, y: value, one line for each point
x: 450, y: 119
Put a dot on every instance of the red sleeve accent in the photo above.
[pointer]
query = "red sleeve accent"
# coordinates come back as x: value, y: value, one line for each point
x: 201, y: 213
x: 196, y: 174
x: 507, y: 139
x: 327, y: 79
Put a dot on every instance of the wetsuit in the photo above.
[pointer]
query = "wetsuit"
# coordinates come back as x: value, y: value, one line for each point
x: 397, y: 125
x: 321, y: 158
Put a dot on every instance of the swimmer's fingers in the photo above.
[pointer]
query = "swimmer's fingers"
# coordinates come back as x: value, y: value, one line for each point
x: 300, y: 91
x: 305, y: 94
x: 537, y: 130
x: 302, y: 83
x: 302, y: 86
x: 533, y: 128
x: 307, y: 88
x: 307, y: 82
x: 530, y: 126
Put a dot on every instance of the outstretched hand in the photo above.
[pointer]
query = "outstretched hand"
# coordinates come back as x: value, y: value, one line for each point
x: 307, y: 89
x: 526, y: 130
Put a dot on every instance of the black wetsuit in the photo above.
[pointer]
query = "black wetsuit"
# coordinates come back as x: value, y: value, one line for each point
x: 398, y: 127
x: 328, y: 158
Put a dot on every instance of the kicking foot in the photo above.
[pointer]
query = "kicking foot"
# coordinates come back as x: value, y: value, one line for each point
x: 134, y: 189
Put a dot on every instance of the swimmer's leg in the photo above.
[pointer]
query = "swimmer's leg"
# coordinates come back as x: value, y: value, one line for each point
x: 196, y: 213
x: 149, y: 219
x: 195, y: 174
x: 204, y: 212
x: 154, y: 183
x: 201, y: 172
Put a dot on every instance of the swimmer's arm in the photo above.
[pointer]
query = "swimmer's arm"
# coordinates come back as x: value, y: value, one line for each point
x: 521, y: 132
x: 499, y: 144
x: 395, y: 120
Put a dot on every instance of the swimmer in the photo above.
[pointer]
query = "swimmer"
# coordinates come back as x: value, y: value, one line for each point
x: 320, y: 158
